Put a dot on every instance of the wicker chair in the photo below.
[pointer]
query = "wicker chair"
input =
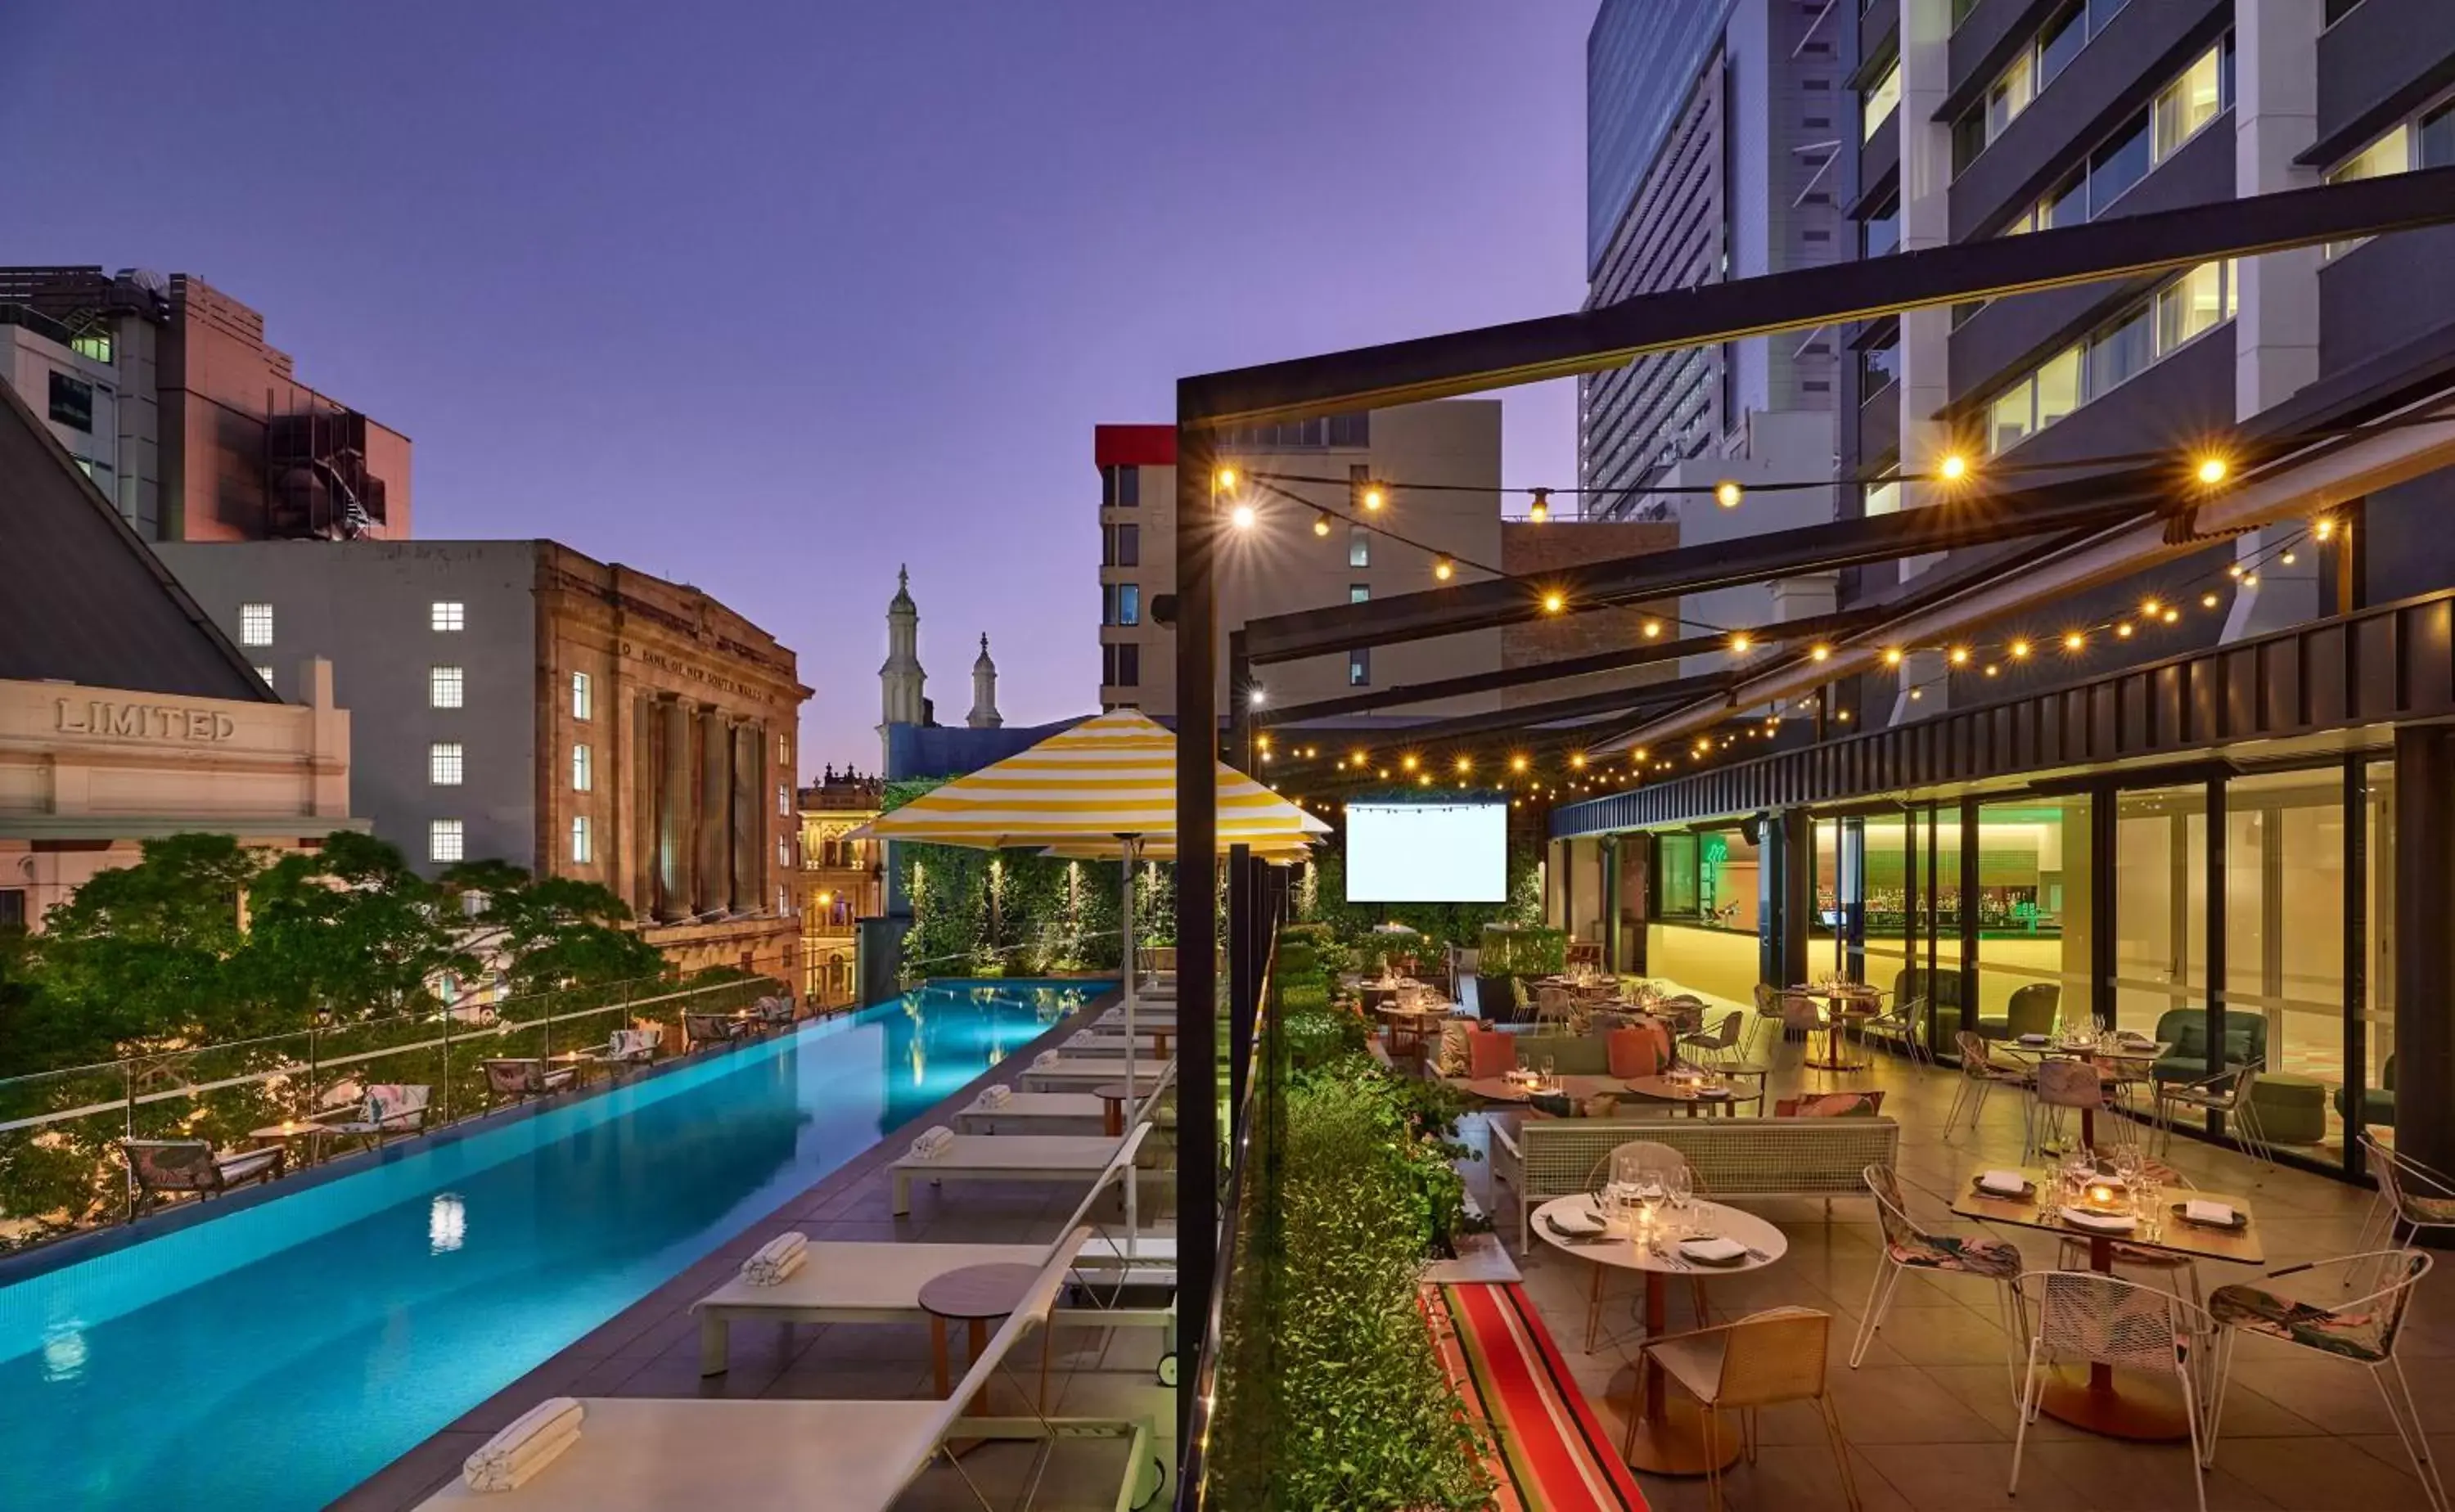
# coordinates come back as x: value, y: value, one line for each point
x: 2086, y: 1319
x: 1909, y: 1247
x: 2228, y: 1093
x: 2363, y: 1330
x: 1756, y: 1361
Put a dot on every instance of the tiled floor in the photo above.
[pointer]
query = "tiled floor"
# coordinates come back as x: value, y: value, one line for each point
x: 1930, y: 1415
x: 651, y: 1349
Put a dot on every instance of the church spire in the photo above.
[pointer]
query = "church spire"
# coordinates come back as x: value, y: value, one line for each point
x: 900, y: 681
x: 984, y: 714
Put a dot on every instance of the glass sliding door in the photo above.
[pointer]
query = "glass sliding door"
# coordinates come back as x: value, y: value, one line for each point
x: 2375, y: 1098
x: 2284, y: 949
x: 2161, y: 908
x: 2035, y: 891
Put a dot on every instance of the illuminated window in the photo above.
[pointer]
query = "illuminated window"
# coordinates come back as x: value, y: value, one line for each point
x: 266, y: 672
x: 446, y: 688
x: 445, y: 840
x: 1359, y: 546
x: 583, y: 770
x: 448, y: 615
x: 1881, y: 102
x: 256, y: 624
x: 583, y: 848
x: 583, y: 701
x: 784, y: 801
x: 443, y: 764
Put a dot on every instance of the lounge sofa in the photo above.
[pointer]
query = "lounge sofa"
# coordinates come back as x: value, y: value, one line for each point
x: 2186, y: 1031
x: 2377, y: 1104
x: 1733, y: 1159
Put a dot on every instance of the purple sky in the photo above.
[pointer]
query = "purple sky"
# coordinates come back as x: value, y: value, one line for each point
x: 772, y: 297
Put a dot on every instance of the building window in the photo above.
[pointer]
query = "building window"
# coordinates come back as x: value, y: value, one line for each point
x: 1883, y: 497
x: 1359, y: 593
x: 1120, y: 487
x: 583, y: 697
x: 12, y: 908
x: 2183, y: 310
x: 72, y: 402
x: 1120, y: 545
x: 1359, y: 668
x: 1879, y: 364
x: 446, y: 841
x: 1352, y: 430
x: 784, y: 751
x: 583, y: 848
x: 1881, y: 102
x: 583, y: 770
x: 1880, y: 233
x: 2428, y: 142
x: 95, y: 346
x: 443, y: 764
x: 2190, y: 102
x: 1121, y: 603
x: 783, y: 852
x: 447, y: 614
x: 1121, y: 665
x: 2037, y: 65
x: 784, y: 801
x: 266, y: 672
x: 444, y: 688
x: 256, y: 624
x: 1359, y: 546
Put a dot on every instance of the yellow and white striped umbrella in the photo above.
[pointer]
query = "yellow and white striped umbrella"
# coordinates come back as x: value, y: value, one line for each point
x: 1082, y: 789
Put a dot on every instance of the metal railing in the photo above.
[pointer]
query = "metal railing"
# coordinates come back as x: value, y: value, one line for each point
x: 61, y: 1170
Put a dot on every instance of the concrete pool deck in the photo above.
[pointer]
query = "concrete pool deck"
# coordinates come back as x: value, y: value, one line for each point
x: 651, y: 1348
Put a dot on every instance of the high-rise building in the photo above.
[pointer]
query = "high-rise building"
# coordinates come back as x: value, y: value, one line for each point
x: 520, y: 701
x: 1712, y: 126
x: 1341, y: 511
x: 165, y: 392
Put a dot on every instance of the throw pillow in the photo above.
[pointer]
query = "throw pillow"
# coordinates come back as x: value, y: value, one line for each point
x: 1489, y: 1053
x: 1454, y: 1059
x: 1633, y: 1053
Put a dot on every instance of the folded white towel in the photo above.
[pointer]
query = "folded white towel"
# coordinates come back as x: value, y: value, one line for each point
x: 2200, y: 1210
x: 525, y: 1446
x: 777, y: 1259
x: 2007, y: 1183
x: 1046, y: 1057
x: 995, y: 1095
x: 932, y: 1143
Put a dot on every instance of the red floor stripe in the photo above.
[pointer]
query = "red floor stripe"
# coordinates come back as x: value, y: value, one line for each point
x: 1558, y: 1438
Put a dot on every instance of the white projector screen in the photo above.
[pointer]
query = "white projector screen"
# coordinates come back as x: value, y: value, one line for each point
x: 1427, y: 853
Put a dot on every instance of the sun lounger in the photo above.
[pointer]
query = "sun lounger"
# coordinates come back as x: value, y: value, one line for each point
x: 170, y: 1166
x: 1006, y: 1157
x: 389, y: 1109
x: 1069, y: 1073
x: 1035, y: 1113
x: 529, y: 1078
x: 645, y: 1454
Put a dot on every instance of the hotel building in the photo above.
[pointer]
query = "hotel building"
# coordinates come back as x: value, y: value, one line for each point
x: 572, y: 717
x: 842, y: 882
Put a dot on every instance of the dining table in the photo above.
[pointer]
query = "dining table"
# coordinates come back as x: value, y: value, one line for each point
x: 1843, y: 1001
x: 2128, y: 1059
x: 2118, y: 1404
x: 1500, y: 1089
x: 1693, y: 1097
x: 1666, y: 1432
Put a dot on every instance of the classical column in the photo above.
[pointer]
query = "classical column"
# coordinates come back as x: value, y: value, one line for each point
x: 753, y: 832
x: 640, y: 815
x: 674, y: 810
x: 715, y: 805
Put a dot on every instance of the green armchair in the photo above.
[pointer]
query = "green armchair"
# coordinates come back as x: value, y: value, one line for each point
x: 2186, y: 1030
x: 2031, y: 1010
x: 2377, y: 1103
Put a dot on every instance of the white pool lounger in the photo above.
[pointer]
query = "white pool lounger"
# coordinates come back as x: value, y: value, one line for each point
x: 645, y: 1454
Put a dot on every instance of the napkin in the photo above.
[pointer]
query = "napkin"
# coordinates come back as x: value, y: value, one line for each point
x: 2082, y: 1218
x: 1578, y: 1227
x: 1713, y: 1248
x: 2008, y: 1182
x: 2198, y: 1210
x: 2033, y: 1040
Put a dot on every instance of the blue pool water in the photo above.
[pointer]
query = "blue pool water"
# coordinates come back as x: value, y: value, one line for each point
x: 273, y: 1356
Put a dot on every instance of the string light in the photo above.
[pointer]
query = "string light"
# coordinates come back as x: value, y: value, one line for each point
x: 1224, y: 479
x: 1407, y: 762
x: 2074, y: 640
x: 1441, y: 568
x: 2286, y: 559
x: 1819, y: 651
x: 1727, y: 494
x: 2123, y: 630
x: 1577, y: 760
x: 1540, y: 510
x: 2150, y: 607
x: 1652, y: 629
x: 2211, y: 471
x: 1554, y: 601
x: 1242, y: 516
x: 1321, y: 523
x: 1954, y: 466
x: 1374, y: 497
x: 2173, y: 617
x: 2250, y: 579
x: 2207, y: 600
x: 2325, y: 527
x: 1891, y: 656
x: 2020, y: 650
x: 1960, y: 656
x: 1740, y: 642
x: 1517, y: 763
x: 1466, y: 763
x: 1990, y: 669
x: 1843, y: 717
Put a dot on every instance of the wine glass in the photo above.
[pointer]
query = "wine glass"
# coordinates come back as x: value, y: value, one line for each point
x: 1679, y: 1185
x: 1549, y: 1079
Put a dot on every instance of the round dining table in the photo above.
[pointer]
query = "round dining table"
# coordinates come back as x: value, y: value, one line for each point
x: 1666, y: 1432
x: 1842, y: 1003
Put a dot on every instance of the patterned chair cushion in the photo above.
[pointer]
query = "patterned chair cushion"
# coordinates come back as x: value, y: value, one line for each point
x: 1973, y: 1254
x: 2352, y: 1335
x: 2428, y: 1209
x: 1452, y: 1057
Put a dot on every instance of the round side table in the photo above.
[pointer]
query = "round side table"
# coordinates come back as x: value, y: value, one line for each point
x: 973, y: 1296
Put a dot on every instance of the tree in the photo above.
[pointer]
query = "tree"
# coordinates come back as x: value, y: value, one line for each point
x: 552, y: 932
x: 141, y: 953
x: 348, y: 930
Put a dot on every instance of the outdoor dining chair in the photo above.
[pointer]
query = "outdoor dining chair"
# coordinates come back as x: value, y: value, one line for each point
x: 2227, y: 1093
x: 1909, y: 1247
x: 1902, y: 1024
x: 2363, y: 1329
x: 2085, y: 1318
x: 1721, y: 1039
x: 2058, y: 1087
x: 1761, y: 1361
x: 1981, y: 1072
x: 2411, y: 1197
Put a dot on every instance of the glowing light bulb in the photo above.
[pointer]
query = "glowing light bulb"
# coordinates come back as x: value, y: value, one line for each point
x: 1960, y: 656
x: 1990, y: 669
x: 2323, y: 529
x: 1578, y: 760
x: 1554, y: 601
x: 2150, y: 607
x: 1407, y: 762
x: 2020, y: 650
x: 2286, y: 559
x: 1373, y: 497
x: 1916, y: 693
x: 1954, y: 466
x: 1727, y: 494
x: 1652, y: 629
x: 1224, y: 479
x: 1740, y: 642
x: 1891, y: 656
x: 2122, y: 631
x: 1321, y: 525
x: 1441, y: 568
x: 2211, y: 471
x: 1843, y: 717
x: 1540, y: 509
x: 1242, y: 516
x: 1517, y: 763
x: 2208, y: 601
x: 2173, y: 617
x: 2250, y: 579
x: 1819, y: 651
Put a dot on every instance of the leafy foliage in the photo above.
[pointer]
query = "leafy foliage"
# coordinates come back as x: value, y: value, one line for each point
x: 551, y: 932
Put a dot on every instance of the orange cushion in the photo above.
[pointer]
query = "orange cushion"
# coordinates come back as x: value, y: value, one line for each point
x: 1635, y: 1051
x: 1489, y: 1053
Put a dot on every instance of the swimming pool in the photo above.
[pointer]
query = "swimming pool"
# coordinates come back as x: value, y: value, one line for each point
x: 273, y: 1356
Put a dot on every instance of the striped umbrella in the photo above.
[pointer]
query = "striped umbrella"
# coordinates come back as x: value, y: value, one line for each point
x: 1105, y: 788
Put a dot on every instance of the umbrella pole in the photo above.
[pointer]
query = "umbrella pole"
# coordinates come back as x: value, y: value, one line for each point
x: 1133, y: 1101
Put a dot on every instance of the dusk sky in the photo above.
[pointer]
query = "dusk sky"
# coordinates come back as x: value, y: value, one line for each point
x: 770, y: 298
